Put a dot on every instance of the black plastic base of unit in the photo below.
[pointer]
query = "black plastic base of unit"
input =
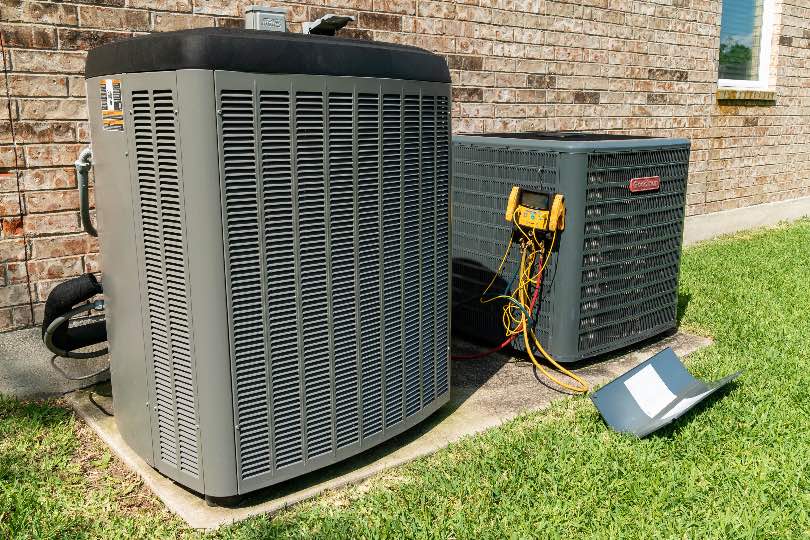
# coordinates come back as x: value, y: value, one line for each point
x: 583, y: 358
x: 227, y: 502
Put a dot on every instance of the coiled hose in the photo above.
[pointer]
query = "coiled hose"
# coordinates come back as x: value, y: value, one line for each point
x: 59, y: 337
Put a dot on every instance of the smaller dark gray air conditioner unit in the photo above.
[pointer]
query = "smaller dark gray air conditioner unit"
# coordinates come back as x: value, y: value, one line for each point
x: 613, y: 280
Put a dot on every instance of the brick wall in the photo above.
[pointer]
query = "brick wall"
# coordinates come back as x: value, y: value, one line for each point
x: 646, y: 66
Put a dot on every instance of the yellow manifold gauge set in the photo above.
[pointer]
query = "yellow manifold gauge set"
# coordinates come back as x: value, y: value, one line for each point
x: 536, y: 211
x: 537, y: 219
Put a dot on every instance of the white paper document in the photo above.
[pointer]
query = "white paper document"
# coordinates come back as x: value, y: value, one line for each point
x: 649, y: 390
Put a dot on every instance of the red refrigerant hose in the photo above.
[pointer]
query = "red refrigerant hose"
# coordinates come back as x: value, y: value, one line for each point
x: 511, y: 338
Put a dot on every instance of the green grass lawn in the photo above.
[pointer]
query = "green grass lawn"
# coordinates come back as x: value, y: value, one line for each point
x: 739, y: 468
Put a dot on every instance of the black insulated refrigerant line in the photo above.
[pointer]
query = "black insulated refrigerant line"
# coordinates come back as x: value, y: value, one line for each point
x: 59, y: 337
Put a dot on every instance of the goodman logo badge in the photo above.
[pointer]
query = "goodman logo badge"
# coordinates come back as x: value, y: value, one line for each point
x: 645, y: 183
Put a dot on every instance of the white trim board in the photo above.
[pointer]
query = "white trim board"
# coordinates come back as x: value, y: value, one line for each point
x: 708, y: 226
x: 765, y: 50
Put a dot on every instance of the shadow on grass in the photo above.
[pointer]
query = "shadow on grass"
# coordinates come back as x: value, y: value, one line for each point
x: 683, y: 303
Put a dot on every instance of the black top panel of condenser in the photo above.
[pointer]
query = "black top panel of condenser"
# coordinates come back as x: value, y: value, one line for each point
x: 257, y: 51
x: 573, y: 136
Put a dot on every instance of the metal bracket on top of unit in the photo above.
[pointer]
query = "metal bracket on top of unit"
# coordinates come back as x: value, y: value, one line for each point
x: 271, y: 19
x: 327, y: 25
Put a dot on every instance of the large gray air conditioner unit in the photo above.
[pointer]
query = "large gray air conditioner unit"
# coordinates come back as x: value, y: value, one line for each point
x: 613, y: 278
x: 275, y: 237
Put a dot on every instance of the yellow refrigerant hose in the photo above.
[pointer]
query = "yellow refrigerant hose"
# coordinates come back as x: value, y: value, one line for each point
x: 517, y: 317
x: 527, y: 263
x: 516, y: 313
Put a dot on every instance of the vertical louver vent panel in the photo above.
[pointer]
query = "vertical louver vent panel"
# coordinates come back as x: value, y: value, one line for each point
x: 343, y: 231
x: 629, y: 276
x: 392, y: 257
x: 411, y: 252
x: 368, y: 233
x: 280, y: 262
x: 245, y: 279
x: 336, y: 223
x: 485, y: 177
x: 442, y: 239
x: 311, y: 213
x: 428, y: 227
x: 167, y: 298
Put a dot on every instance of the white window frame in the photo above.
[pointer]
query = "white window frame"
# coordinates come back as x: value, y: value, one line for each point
x: 766, y: 41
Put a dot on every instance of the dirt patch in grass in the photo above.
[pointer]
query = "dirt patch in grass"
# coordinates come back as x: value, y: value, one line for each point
x: 343, y: 497
x: 105, y: 472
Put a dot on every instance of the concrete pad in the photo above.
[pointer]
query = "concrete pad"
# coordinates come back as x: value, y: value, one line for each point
x: 708, y: 226
x: 26, y: 371
x: 485, y: 393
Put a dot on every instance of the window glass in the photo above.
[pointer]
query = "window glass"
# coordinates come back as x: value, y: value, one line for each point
x: 740, y: 37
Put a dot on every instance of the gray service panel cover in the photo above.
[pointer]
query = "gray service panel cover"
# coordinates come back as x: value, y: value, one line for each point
x: 613, y: 278
x: 653, y: 394
x: 276, y: 267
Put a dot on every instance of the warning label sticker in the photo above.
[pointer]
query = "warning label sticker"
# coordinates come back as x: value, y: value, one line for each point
x: 112, y: 113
